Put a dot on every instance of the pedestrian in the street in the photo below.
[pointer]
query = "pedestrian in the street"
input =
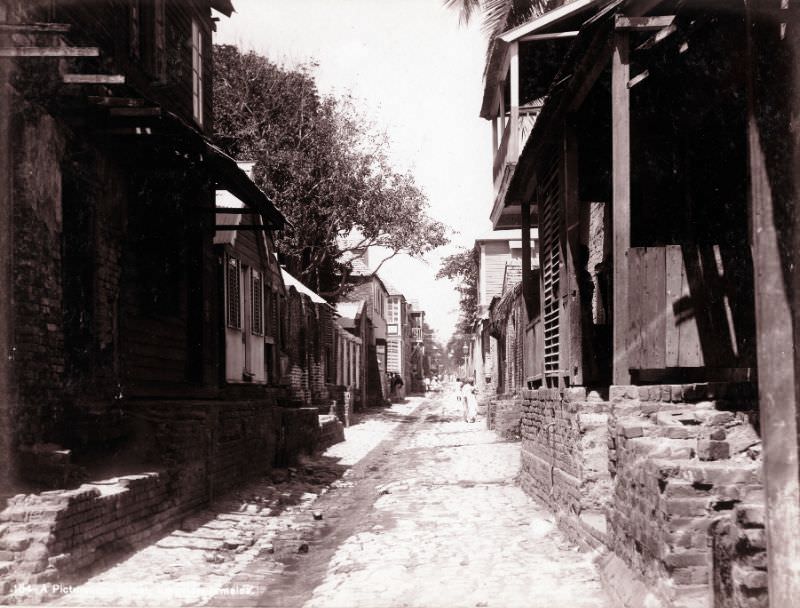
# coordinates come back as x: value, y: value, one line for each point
x: 469, y: 402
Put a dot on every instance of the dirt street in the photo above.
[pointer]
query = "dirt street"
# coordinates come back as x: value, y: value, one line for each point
x: 423, y: 510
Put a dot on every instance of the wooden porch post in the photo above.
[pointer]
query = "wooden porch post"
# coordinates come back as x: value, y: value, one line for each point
x: 775, y: 341
x: 513, y: 136
x: 621, y: 221
x: 527, y: 291
x: 573, y: 357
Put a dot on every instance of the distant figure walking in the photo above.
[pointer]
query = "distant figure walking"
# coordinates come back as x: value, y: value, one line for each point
x: 427, y: 382
x: 469, y: 402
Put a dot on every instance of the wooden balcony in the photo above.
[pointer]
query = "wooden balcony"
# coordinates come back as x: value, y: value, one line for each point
x: 515, y: 135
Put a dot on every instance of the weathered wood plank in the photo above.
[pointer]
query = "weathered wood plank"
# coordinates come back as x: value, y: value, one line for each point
x: 116, y: 102
x: 635, y: 310
x: 552, y: 36
x: 50, y: 51
x: 654, y: 339
x: 131, y: 112
x: 620, y: 209
x: 674, y: 272
x: 657, y: 38
x: 689, y: 351
x: 623, y: 23
x: 93, y: 79
x: 574, y: 265
x: 48, y: 28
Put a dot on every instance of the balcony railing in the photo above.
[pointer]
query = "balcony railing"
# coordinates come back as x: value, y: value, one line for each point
x: 507, y: 154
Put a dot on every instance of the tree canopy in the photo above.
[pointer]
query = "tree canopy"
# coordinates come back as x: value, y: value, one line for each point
x: 324, y: 166
x: 462, y: 267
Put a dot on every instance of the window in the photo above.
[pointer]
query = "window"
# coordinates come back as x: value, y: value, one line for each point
x: 269, y: 313
x: 233, y: 293
x: 257, y: 322
x: 197, y: 72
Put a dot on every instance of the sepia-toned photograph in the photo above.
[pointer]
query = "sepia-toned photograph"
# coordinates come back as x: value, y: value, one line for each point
x: 400, y: 303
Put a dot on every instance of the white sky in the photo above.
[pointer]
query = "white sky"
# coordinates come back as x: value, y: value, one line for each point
x: 419, y: 76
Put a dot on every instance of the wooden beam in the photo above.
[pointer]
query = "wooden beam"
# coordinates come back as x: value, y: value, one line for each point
x: 642, y: 24
x: 46, y: 28
x: 50, y: 51
x: 513, y: 136
x: 94, y: 79
x: 129, y: 131
x: 553, y: 36
x: 658, y: 37
x: 638, y: 78
x: 572, y: 357
x: 116, y: 102
x: 527, y: 274
x: 135, y: 112
x: 776, y: 278
x: 244, y: 227
x: 621, y: 204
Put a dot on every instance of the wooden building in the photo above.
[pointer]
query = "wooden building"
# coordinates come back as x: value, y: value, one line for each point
x: 254, y: 293
x: 661, y: 173
x: 108, y: 214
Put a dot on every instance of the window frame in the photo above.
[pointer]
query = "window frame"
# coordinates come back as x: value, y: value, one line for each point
x: 197, y: 45
x: 233, y: 292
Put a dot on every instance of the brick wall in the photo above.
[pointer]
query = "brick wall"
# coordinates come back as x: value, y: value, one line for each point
x: 194, y: 451
x: 38, y: 337
x: 504, y: 415
x: 687, y: 475
x: 564, y: 450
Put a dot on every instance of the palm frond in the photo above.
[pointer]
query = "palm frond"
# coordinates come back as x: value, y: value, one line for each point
x: 466, y: 9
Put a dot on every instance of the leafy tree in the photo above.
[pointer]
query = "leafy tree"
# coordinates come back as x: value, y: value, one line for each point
x: 325, y: 168
x: 462, y: 267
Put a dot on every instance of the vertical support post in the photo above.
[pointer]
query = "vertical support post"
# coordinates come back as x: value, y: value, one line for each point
x: 573, y: 357
x: 775, y: 341
x: 527, y: 288
x: 513, y: 135
x: 621, y: 206
x: 495, y: 139
x: 501, y: 94
x: 7, y: 472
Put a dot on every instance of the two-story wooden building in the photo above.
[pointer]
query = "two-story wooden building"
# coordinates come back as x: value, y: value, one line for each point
x: 659, y: 173
x: 113, y: 324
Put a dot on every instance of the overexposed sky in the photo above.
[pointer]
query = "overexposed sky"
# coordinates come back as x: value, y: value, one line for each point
x: 418, y: 75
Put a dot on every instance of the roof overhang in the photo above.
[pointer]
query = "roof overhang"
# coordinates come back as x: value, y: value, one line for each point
x: 223, y: 6
x: 232, y: 178
x: 552, y: 26
x: 588, y: 56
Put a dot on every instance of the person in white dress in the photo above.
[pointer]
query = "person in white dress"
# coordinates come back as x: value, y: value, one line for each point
x: 469, y: 401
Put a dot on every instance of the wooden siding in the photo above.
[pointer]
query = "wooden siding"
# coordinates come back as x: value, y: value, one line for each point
x: 107, y: 24
x: 685, y: 312
x: 496, y: 255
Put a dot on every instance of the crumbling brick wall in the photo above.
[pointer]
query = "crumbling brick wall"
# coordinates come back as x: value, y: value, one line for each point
x: 687, y: 472
x: 194, y: 451
x: 504, y: 416
x: 564, y: 443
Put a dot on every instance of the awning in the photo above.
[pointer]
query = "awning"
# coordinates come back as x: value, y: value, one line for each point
x: 238, y: 183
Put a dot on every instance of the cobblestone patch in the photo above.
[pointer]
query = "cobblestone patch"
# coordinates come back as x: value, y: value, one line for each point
x: 432, y: 517
x: 270, y: 516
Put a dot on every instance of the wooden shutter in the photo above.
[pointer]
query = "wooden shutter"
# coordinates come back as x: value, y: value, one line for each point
x: 551, y: 265
x: 233, y: 293
x: 258, y: 304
